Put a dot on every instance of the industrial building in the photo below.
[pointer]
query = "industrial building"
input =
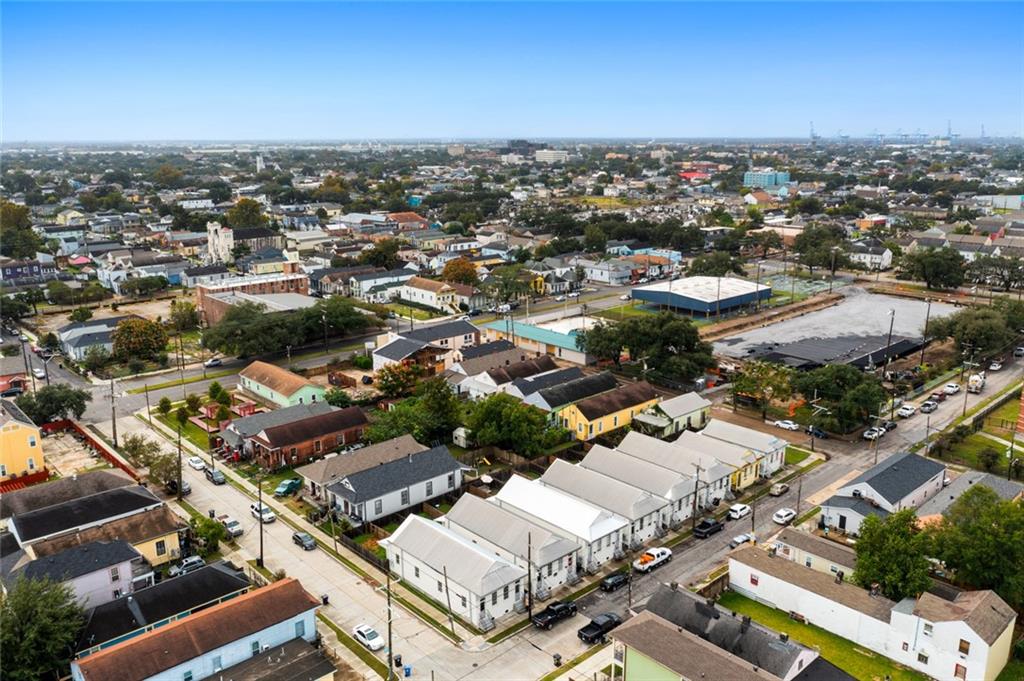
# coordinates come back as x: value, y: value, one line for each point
x: 704, y: 296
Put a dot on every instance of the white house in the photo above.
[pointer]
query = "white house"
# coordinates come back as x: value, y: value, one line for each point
x: 480, y: 585
x: 770, y: 449
x: 204, y: 644
x: 675, y: 487
x: 600, y: 535
x: 688, y: 411
x: 870, y: 253
x: 648, y: 515
x: 711, y: 473
x: 373, y: 287
x: 436, y: 295
x: 966, y: 636
x: 517, y: 540
x: 902, y: 481
x: 396, y: 485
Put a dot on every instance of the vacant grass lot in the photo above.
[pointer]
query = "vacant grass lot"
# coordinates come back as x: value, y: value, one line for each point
x: 795, y: 455
x: 619, y: 313
x: 968, y: 452
x: 858, y: 662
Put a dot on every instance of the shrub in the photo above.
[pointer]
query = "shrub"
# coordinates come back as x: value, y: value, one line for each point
x: 136, y: 365
x: 364, y: 362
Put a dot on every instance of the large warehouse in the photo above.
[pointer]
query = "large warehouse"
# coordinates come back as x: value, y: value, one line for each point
x: 703, y: 295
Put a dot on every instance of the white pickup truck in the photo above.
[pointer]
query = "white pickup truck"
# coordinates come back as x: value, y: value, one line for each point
x: 262, y: 513
x: 233, y: 527
x: 652, y: 558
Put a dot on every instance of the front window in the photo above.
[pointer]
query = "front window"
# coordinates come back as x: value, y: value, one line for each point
x: 255, y: 647
x: 300, y: 629
x: 378, y: 507
x: 753, y: 579
x: 31, y: 463
x: 922, y: 658
x: 31, y: 440
x: 430, y: 488
x: 927, y: 629
x: 494, y: 598
x: 405, y: 497
x: 451, y: 480
x: 965, y: 647
x: 115, y: 574
x: 960, y: 672
x: 161, y: 547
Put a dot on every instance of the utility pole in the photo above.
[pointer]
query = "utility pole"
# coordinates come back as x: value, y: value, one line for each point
x: 927, y: 434
x: 696, y: 490
x: 971, y: 364
x: 324, y: 318
x: 259, y: 511
x: 179, y: 462
x: 753, y: 518
x: 927, y: 316
x: 28, y: 371
x: 149, y: 412
x: 888, y: 358
x: 113, y: 413
x: 448, y: 596
x: 799, y: 492
x: 391, y: 652
x: 529, y: 574
x: 832, y: 270
x: 181, y: 367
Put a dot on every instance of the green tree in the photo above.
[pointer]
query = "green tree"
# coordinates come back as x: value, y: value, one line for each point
x: 96, y: 358
x: 982, y: 330
x: 717, y: 264
x: 246, y: 213
x: 763, y: 381
x: 396, y: 379
x: 846, y: 395
x: 144, y: 286
x: 168, y: 176
x: 17, y: 238
x: 224, y: 413
x: 765, y: 240
x: 460, y: 271
x: 164, y: 406
x: 214, y: 390
x: 181, y: 415
x: 246, y: 330
x: 139, y: 449
x: 54, y: 402
x: 14, y: 308
x: 981, y: 540
x: 891, y: 554
x: 503, y: 421
x: 39, y: 624
x: 440, y: 408
x: 184, y: 316
x: 136, y: 337
x: 383, y: 254
x: 822, y: 246
x: 193, y: 402
x: 59, y: 293
x: 594, y: 239
x: 937, y: 268
x: 208, y: 534
x: 336, y: 397
x: 506, y: 283
x: 80, y: 314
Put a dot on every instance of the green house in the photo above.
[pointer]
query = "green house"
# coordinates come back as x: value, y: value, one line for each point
x: 271, y: 384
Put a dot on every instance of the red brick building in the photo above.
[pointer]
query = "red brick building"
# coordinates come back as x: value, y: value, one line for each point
x: 297, y: 442
x: 286, y: 282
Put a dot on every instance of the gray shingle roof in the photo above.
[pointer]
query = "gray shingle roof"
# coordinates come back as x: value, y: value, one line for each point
x: 862, y: 507
x: 580, y: 389
x: 244, y: 428
x: 940, y: 503
x: 430, y: 334
x: 899, y: 475
x: 58, y: 491
x: 395, y: 475
x: 399, y: 349
x: 82, y: 511
x: 78, y: 561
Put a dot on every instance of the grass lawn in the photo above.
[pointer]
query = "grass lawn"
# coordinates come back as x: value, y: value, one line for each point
x: 795, y: 455
x: 1013, y: 671
x: 622, y: 311
x: 178, y: 381
x: 858, y: 662
x: 189, y: 431
x: 967, y: 453
x: 1001, y: 421
x: 409, y: 311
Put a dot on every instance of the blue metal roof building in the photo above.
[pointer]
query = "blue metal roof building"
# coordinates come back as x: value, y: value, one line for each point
x: 703, y: 295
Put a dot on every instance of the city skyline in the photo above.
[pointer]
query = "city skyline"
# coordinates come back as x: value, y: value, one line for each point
x: 269, y: 71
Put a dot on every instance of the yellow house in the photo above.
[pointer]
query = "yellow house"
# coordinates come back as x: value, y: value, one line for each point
x: 21, y: 449
x: 608, y: 411
x: 744, y: 462
x: 155, y: 533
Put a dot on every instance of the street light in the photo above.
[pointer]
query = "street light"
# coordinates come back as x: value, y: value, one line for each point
x: 832, y: 270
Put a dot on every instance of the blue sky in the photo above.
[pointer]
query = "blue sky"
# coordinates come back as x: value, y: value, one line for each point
x: 153, y: 71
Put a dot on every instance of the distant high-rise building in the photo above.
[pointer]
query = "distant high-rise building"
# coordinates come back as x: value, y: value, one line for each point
x: 766, y: 179
x: 551, y: 155
x: 259, y: 163
x: 456, y: 149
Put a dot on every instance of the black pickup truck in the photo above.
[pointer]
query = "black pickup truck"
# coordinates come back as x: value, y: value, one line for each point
x: 551, y: 615
x: 707, y: 527
x: 598, y: 629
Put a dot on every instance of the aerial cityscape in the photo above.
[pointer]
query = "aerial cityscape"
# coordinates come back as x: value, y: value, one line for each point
x: 512, y: 341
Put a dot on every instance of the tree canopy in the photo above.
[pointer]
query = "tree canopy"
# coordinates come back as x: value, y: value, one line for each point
x: 383, y: 254
x: 503, y: 421
x: 460, y: 271
x: 938, y: 268
x: 140, y: 338
x: 847, y: 395
x: 39, y: 625
x: 891, y: 554
x: 717, y: 264
x: 17, y: 238
x: 54, y: 402
x: 246, y: 213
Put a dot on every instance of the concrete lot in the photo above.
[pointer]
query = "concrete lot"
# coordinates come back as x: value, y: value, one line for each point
x: 862, y: 312
x: 66, y: 455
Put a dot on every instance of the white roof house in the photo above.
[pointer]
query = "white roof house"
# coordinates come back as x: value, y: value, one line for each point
x: 597, y: 488
x: 743, y: 436
x: 467, y: 564
x: 726, y: 452
x: 675, y: 458
x: 684, y: 404
x: 663, y: 482
x: 474, y: 517
x: 558, y: 509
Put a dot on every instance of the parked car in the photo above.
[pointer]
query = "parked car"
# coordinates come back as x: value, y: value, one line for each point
x: 737, y: 511
x: 995, y: 365
x: 1018, y: 352
x: 707, y: 527
x: 215, y: 476
x: 305, y: 540
x: 213, y: 362
x: 740, y: 539
x: 38, y: 372
x: 786, y: 424
x: 553, y: 614
x: 652, y: 558
x: 784, y: 516
x: 778, y: 489
x: 815, y: 431
x: 289, y: 486
x: 573, y: 294
x: 196, y: 463
x: 368, y: 636
x: 190, y: 564
x: 172, y: 487
x: 559, y: 299
x: 938, y: 396
x: 929, y: 406
x: 889, y: 425
x: 625, y: 296
x: 597, y: 630
x: 951, y: 388
x: 614, y: 582
x: 873, y: 433
x: 233, y: 527
x: 262, y: 513
x: 906, y: 411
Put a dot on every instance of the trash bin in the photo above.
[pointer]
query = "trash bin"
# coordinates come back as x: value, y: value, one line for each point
x: 407, y: 671
x: 212, y: 514
x: 324, y: 599
x: 398, y: 661
x: 557, y: 659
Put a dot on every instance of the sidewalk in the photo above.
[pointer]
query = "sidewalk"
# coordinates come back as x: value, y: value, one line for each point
x: 348, y: 559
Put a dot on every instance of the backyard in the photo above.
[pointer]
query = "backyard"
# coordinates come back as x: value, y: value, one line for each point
x: 858, y: 662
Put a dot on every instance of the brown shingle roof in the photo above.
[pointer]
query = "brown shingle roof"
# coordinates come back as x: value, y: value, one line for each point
x: 134, y: 529
x: 406, y: 216
x: 529, y: 367
x: 983, y: 611
x: 616, y: 400
x: 313, y: 427
x: 821, y: 583
x: 427, y: 284
x: 687, y: 655
x: 274, y: 377
x: 190, y: 637
x: 819, y: 546
x: 342, y: 465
